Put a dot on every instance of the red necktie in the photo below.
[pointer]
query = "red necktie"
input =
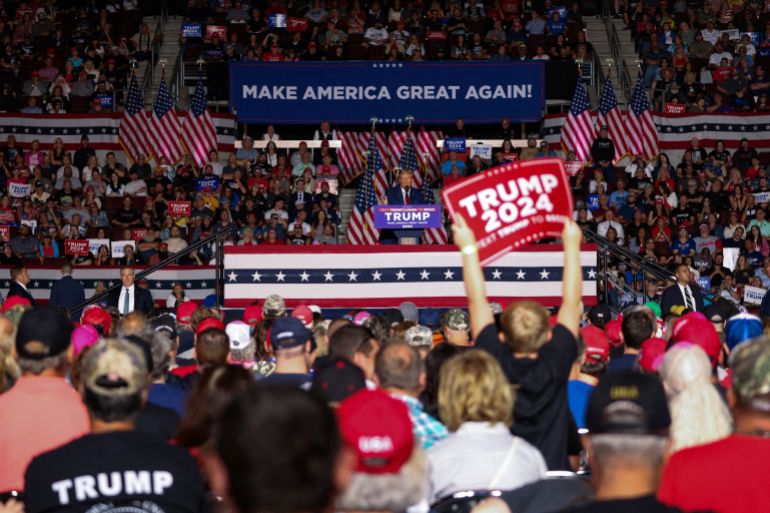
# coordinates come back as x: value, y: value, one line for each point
x: 406, y: 197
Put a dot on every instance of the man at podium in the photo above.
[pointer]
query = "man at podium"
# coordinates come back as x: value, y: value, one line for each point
x: 401, y: 194
x: 404, y: 193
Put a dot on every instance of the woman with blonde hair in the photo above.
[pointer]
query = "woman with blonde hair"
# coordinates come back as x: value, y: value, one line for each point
x: 698, y: 413
x: 9, y: 369
x: 475, y: 402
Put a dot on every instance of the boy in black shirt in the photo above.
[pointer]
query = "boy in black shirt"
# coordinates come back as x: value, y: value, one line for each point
x: 535, y: 358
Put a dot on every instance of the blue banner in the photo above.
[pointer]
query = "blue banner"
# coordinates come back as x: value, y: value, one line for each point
x: 356, y: 92
x: 276, y: 21
x: 404, y: 217
x: 456, y: 144
x: 192, y: 30
x: 207, y: 184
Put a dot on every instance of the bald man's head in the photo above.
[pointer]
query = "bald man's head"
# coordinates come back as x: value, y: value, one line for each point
x: 399, y: 367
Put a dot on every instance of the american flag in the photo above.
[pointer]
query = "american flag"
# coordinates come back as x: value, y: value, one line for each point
x: 381, y: 175
x: 578, y: 132
x: 383, y: 276
x: 102, y: 129
x: 165, y: 129
x: 351, y: 156
x: 134, y: 127
x: 428, y: 153
x: 198, y: 130
x: 675, y: 132
x: 361, y: 228
x: 409, y: 161
x: 611, y: 117
x: 396, y: 141
x: 642, y: 135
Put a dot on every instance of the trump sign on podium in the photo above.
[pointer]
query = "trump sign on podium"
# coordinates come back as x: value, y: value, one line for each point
x: 512, y: 205
x: 405, y: 217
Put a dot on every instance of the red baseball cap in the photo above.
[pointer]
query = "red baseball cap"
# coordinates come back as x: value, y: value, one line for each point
x: 377, y: 427
x: 184, y: 312
x: 613, y: 329
x: 651, y: 354
x: 597, y: 344
x: 97, y: 316
x: 12, y: 301
x: 697, y: 329
x: 209, y: 323
x: 252, y: 314
x: 304, y: 314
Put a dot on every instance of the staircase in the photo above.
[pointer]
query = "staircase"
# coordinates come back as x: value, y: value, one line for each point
x: 347, y: 199
x: 598, y: 35
x: 144, y: 67
x: 168, y: 56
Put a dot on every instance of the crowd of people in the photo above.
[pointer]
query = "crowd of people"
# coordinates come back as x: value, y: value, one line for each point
x: 395, y: 30
x: 260, y: 197
x: 403, y: 410
x: 61, y: 57
x: 692, y: 212
x: 708, y: 56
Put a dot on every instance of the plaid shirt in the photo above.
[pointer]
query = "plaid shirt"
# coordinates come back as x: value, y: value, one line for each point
x: 427, y: 429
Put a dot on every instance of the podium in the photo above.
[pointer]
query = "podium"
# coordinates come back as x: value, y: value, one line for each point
x: 408, y: 237
x: 403, y: 224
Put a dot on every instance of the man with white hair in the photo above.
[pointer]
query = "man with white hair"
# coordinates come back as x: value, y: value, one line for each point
x: 730, y: 475
x: 391, y: 474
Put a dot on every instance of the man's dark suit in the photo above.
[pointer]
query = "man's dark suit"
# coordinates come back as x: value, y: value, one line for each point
x: 142, y: 300
x: 395, y: 196
x: 673, y: 296
x: 68, y: 293
x: 15, y: 289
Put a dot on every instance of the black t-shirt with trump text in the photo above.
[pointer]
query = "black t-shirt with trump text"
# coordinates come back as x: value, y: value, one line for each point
x: 117, y: 472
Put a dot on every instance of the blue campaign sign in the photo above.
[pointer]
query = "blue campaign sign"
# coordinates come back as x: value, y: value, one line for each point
x: 104, y: 99
x: 207, y: 184
x: 276, y: 21
x: 192, y: 30
x: 456, y: 144
x: 406, y: 217
x: 356, y: 92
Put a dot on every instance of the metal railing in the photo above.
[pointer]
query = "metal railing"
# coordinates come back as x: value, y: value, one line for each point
x: 217, y: 238
x: 157, y: 41
x: 608, y: 282
x: 177, y: 83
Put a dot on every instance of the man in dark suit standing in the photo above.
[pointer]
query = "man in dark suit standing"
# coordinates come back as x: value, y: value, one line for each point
x: 19, y: 281
x: 400, y: 194
x: 68, y: 293
x: 130, y: 297
x: 404, y: 193
x: 682, y: 293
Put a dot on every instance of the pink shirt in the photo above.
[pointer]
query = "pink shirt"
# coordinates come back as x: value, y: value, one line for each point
x: 38, y: 414
x: 35, y: 158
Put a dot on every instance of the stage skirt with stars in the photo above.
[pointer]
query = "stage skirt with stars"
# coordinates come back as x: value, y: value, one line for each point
x: 384, y: 276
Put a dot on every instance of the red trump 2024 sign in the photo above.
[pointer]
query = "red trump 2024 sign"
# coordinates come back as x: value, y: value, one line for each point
x: 512, y: 205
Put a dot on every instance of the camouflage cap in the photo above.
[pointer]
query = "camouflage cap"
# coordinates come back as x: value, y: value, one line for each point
x: 457, y: 319
x: 750, y: 364
x: 274, y: 306
x: 115, y: 367
x: 419, y: 336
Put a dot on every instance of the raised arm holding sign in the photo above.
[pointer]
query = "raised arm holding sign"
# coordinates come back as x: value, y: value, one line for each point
x: 475, y: 286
